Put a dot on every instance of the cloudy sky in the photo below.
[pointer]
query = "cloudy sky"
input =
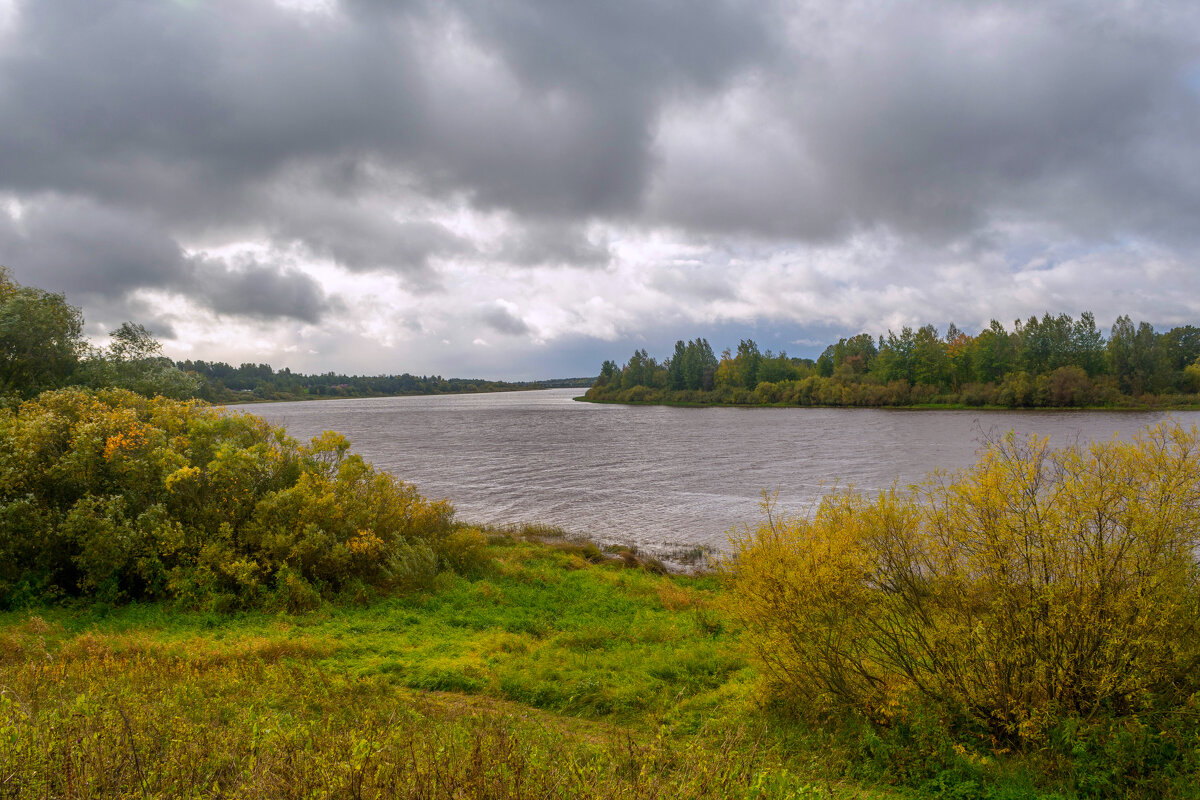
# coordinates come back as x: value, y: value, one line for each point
x: 521, y: 188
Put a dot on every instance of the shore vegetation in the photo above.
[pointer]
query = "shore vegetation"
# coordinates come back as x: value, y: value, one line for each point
x: 1052, y: 362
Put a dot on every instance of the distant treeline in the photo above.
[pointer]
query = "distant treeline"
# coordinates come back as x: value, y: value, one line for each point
x: 1052, y: 361
x: 223, y: 383
x: 42, y: 348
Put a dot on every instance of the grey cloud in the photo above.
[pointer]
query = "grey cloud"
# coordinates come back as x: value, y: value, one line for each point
x: 933, y: 120
x: 554, y: 245
x: 186, y: 106
x: 260, y: 291
x: 707, y: 285
x: 501, y: 320
x: 79, y: 246
x: 940, y: 118
x: 100, y: 256
x: 234, y: 120
x: 364, y: 237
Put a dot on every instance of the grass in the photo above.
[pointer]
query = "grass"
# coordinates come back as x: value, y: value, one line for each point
x: 545, y: 676
x: 556, y: 672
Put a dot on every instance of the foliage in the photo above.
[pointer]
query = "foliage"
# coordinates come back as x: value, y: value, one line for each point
x: 1038, y: 589
x: 134, y: 360
x: 1055, y: 361
x: 40, y: 338
x: 117, y: 496
x: 42, y: 347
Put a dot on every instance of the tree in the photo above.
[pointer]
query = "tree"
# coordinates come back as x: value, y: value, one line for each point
x: 134, y: 360
x: 1135, y: 357
x: 609, y: 374
x: 748, y: 360
x: 958, y: 351
x: 677, y: 368
x: 701, y: 366
x: 642, y: 370
x: 1183, y: 345
x: 1088, y: 345
x: 40, y: 338
x: 774, y: 368
x: 993, y: 353
x: 895, y: 359
x: 930, y: 363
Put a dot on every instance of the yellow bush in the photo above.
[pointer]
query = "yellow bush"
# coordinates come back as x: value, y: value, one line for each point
x: 1034, y: 586
x: 120, y: 496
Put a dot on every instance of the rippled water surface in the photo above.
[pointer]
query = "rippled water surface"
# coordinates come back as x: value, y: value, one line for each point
x: 659, y: 477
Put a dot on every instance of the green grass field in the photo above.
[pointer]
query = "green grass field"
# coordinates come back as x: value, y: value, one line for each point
x: 543, y: 676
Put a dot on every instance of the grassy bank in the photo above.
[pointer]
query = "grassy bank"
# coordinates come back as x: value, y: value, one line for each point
x: 544, y: 675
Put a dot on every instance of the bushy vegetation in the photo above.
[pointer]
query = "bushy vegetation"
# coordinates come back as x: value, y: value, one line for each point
x: 1043, y: 601
x: 115, y: 496
x: 1051, y: 362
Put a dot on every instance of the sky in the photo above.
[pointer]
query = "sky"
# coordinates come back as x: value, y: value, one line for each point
x: 519, y: 189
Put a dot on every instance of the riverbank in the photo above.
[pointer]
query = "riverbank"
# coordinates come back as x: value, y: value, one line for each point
x: 1190, y: 406
x: 546, y: 675
x: 550, y: 672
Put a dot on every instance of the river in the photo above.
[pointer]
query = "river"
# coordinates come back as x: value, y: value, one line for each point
x: 657, y: 477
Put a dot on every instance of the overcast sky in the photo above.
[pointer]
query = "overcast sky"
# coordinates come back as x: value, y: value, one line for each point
x: 522, y: 188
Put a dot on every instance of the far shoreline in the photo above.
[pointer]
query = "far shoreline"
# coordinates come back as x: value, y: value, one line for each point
x: 917, y: 407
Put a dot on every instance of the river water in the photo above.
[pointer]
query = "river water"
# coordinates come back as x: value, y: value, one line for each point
x: 656, y: 477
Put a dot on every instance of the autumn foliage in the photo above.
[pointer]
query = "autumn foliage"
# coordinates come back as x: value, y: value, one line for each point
x: 113, y: 495
x: 1035, y: 587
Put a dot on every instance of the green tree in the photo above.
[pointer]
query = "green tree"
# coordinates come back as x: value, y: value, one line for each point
x: 701, y: 366
x: 1183, y: 345
x: 1046, y: 344
x: 40, y: 338
x: 896, y: 354
x: 774, y: 368
x: 1136, y: 357
x: 993, y: 353
x: 930, y: 362
x: 748, y: 361
x: 610, y: 373
x: 134, y: 360
x: 1087, y: 345
x: 642, y: 370
x: 853, y: 356
x: 677, y: 368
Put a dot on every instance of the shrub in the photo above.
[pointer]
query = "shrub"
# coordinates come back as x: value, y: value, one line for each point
x: 117, y: 496
x: 1035, y: 587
